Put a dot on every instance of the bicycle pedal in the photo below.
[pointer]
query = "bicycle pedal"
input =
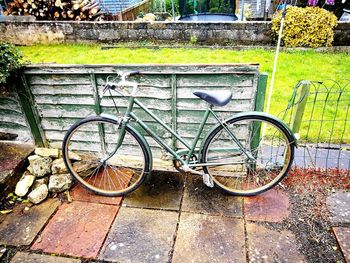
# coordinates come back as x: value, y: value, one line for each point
x: 208, y: 181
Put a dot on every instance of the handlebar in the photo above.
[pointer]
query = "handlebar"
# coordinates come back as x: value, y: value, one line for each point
x: 122, y: 82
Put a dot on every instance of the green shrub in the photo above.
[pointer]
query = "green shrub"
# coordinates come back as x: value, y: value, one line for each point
x: 306, y: 27
x: 10, y: 62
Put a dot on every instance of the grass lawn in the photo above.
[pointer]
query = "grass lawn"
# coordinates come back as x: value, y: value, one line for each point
x: 292, y: 65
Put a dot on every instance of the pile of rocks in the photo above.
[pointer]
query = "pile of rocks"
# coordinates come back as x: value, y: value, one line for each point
x: 46, y: 173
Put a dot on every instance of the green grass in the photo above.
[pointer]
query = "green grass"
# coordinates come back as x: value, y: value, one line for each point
x: 292, y: 65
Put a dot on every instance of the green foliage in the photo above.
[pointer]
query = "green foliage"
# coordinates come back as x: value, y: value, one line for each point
x: 206, y: 6
x: 306, y: 27
x: 10, y: 62
x: 193, y: 40
x: 337, y: 8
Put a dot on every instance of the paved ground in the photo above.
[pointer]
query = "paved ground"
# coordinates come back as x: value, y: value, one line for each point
x: 171, y: 219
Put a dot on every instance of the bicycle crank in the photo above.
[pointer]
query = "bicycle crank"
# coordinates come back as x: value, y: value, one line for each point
x: 207, y: 179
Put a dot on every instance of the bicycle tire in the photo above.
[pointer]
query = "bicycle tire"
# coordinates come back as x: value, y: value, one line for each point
x: 240, y: 179
x: 120, y: 174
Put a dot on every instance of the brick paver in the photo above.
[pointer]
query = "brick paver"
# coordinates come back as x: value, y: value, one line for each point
x: 271, y: 206
x: 206, y: 238
x: 266, y: 245
x: 163, y: 191
x: 343, y: 237
x: 22, y: 257
x: 200, y: 198
x: 79, y: 193
x: 140, y: 235
x: 21, y: 227
x: 339, y: 207
x: 77, y: 229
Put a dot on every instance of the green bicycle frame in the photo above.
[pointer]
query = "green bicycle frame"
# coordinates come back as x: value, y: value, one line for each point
x: 190, y: 148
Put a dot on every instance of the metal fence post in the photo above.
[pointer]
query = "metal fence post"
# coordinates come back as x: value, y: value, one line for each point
x: 300, y: 100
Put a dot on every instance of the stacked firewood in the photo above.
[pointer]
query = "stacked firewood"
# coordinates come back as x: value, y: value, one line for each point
x: 55, y: 9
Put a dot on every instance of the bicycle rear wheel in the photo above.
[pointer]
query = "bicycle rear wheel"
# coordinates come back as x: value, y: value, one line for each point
x: 265, y: 159
x: 104, y: 169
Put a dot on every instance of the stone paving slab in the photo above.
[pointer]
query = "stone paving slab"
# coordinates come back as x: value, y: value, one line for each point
x: 21, y: 227
x: 163, y: 191
x: 202, y: 199
x: 343, y: 237
x: 22, y: 257
x: 77, y: 229
x: 79, y: 193
x: 266, y: 245
x: 339, y: 207
x: 140, y: 235
x: 206, y: 238
x: 271, y: 206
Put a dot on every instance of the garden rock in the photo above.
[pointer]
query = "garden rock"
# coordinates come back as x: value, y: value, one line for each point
x: 74, y: 156
x: 41, y: 166
x: 60, y: 182
x: 58, y: 167
x: 39, y: 194
x: 41, y: 181
x: 24, y: 184
x: 31, y: 160
x: 84, y: 168
x: 47, y: 152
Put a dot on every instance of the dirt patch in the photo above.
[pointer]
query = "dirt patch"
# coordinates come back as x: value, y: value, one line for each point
x: 309, y: 219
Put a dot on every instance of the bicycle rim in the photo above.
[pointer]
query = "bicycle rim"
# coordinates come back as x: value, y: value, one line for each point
x: 103, y: 169
x: 265, y: 159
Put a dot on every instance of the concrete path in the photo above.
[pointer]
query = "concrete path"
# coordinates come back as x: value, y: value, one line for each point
x: 170, y: 219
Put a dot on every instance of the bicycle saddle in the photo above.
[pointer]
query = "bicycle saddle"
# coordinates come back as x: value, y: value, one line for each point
x: 217, y: 97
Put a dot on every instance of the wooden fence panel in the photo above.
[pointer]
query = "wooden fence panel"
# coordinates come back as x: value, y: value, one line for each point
x: 63, y: 94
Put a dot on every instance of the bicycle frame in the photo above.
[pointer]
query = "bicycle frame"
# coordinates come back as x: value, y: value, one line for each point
x: 190, y: 149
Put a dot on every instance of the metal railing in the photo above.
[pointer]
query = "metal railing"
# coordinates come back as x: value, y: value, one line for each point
x: 319, y: 114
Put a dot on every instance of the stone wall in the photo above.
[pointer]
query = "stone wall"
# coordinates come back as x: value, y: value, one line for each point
x: 242, y: 33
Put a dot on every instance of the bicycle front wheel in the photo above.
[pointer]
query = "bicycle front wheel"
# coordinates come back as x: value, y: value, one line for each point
x: 250, y: 156
x: 102, y: 167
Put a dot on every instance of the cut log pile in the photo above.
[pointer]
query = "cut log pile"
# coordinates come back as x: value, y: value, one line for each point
x: 55, y: 9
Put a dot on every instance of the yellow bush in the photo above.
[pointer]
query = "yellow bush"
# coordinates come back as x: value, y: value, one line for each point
x: 306, y: 27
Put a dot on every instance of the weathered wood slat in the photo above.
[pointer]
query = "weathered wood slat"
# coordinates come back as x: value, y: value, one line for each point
x: 159, y: 81
x: 238, y: 93
x: 220, y: 80
x: 190, y: 116
x: 237, y: 105
x: 164, y: 115
x: 144, y: 92
x: 59, y: 89
x: 151, y: 103
x: 63, y: 111
x: 54, y: 79
x: 10, y: 103
x: 12, y: 119
x: 64, y: 99
x: 150, y: 69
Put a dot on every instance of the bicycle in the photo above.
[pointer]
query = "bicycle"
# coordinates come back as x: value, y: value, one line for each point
x: 245, y: 155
